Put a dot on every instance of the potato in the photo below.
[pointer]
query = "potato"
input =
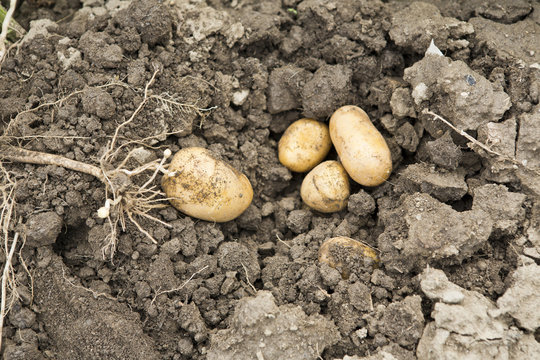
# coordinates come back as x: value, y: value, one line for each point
x: 304, y: 144
x: 206, y: 188
x: 342, y: 252
x: 360, y: 146
x: 326, y: 187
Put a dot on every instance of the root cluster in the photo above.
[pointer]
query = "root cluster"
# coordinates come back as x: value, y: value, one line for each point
x: 125, y: 200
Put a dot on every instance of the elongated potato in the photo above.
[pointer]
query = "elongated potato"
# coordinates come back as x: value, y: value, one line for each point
x: 360, y: 146
x: 326, y: 187
x: 342, y: 252
x: 206, y: 188
x: 304, y: 144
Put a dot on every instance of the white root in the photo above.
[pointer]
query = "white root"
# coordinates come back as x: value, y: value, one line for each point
x: 124, y: 199
x: 9, y: 287
x: 5, y: 29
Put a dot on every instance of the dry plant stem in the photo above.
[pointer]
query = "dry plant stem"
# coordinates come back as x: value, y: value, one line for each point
x: 5, y: 29
x: 5, y: 275
x: 23, y: 263
x: 7, y: 190
x: 465, y: 135
x: 17, y: 154
x: 481, y: 145
x: 279, y: 239
x: 247, y: 278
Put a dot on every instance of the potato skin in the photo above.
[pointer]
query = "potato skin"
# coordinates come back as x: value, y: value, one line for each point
x: 206, y: 188
x: 338, y: 251
x: 326, y: 187
x: 304, y: 144
x: 360, y: 146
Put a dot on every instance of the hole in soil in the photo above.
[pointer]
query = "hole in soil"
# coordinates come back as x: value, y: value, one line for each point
x: 330, y: 291
x: 464, y: 204
x: 503, y: 273
x: 427, y: 308
x: 258, y: 284
x: 34, y: 124
x: 70, y: 238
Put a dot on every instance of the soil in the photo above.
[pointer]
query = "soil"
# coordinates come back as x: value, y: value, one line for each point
x: 456, y: 227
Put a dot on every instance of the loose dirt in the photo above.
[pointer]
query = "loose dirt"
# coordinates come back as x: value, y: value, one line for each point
x: 456, y: 227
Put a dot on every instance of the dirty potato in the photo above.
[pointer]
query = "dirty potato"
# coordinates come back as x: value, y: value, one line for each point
x: 360, y: 146
x: 326, y: 187
x: 206, y: 188
x: 304, y: 144
x: 341, y: 252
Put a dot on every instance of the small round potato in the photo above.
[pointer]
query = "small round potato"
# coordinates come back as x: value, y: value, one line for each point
x: 304, y: 144
x: 326, y: 187
x: 360, y: 146
x: 206, y: 188
x: 342, y: 252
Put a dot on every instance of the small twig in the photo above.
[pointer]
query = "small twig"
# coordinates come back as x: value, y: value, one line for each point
x: 178, y: 288
x: 481, y: 145
x: 5, y: 275
x: 279, y: 239
x: 465, y: 135
x: 14, y: 153
x: 23, y: 263
x: 247, y: 278
x: 324, y: 292
x: 8, y: 285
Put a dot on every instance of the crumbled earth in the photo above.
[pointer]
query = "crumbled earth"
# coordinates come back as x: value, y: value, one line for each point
x: 230, y: 76
x: 442, y: 185
x: 260, y: 327
x: 466, y: 324
x: 416, y: 233
x: 455, y: 91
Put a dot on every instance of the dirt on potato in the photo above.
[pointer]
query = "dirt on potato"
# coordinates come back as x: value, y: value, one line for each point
x: 456, y: 226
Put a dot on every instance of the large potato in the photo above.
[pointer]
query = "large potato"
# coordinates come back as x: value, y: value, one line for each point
x: 206, y: 188
x: 360, y: 146
x: 326, y: 187
x: 304, y: 144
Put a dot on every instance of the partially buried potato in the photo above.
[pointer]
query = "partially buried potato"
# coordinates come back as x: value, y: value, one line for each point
x: 360, y: 146
x: 326, y: 187
x: 206, y: 188
x: 342, y: 253
x: 304, y: 144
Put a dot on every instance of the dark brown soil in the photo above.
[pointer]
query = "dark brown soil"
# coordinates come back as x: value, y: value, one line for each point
x: 244, y: 71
